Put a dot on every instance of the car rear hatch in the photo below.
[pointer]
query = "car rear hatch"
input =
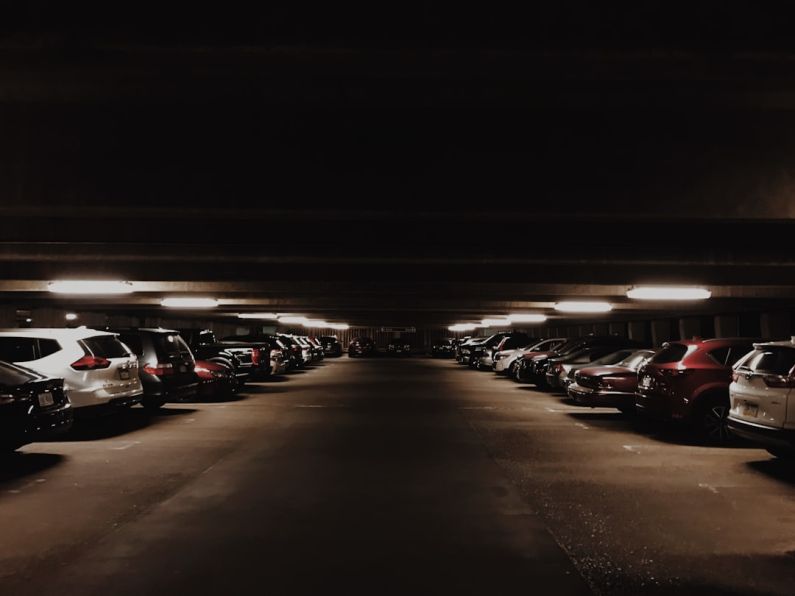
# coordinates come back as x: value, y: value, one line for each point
x: 762, y: 386
x: 108, y: 361
x: 175, y: 361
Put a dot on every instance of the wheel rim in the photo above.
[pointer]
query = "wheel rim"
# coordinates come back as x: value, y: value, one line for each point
x: 715, y: 423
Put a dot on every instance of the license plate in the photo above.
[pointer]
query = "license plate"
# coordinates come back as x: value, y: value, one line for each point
x: 645, y: 382
x: 124, y: 374
x: 750, y: 410
x: 46, y: 399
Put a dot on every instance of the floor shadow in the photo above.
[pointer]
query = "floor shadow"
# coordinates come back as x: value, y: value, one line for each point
x: 17, y: 465
x: 777, y: 468
x: 263, y: 389
x: 106, y: 427
x: 218, y: 399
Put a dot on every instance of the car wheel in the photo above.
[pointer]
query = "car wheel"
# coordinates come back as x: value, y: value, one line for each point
x: 713, y: 421
x: 153, y: 403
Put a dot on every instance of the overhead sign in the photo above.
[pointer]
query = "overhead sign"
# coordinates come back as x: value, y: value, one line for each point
x: 398, y: 330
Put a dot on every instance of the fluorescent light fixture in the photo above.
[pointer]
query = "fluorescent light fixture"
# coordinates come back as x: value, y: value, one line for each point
x: 502, y: 322
x: 339, y: 326
x: 462, y: 327
x: 292, y: 320
x: 189, y: 302
x: 527, y: 318
x: 258, y: 315
x: 668, y: 293
x: 316, y: 323
x: 70, y: 316
x: 575, y: 306
x: 90, y: 286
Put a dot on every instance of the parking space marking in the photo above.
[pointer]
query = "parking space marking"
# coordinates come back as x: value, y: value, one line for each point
x: 632, y: 449
x: 582, y: 426
x: 126, y: 445
x: 16, y: 491
x: 708, y: 487
x: 478, y: 408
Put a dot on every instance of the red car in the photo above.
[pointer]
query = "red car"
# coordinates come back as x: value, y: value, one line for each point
x: 688, y: 381
x: 216, y: 381
x: 361, y: 346
x: 611, y: 386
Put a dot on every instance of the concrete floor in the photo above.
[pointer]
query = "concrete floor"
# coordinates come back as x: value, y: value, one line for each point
x: 388, y: 476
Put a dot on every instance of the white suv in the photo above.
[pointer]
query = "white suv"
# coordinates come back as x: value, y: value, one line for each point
x: 761, y: 388
x: 96, y: 367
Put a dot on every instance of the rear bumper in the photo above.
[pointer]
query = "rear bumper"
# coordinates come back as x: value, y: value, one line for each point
x: 596, y: 398
x: 37, y: 426
x: 767, y: 436
x: 654, y: 406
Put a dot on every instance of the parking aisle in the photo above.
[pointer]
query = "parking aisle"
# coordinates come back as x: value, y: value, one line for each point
x: 362, y: 476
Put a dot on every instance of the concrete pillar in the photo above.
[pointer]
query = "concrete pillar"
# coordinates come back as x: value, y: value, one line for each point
x: 689, y: 327
x: 600, y: 328
x: 775, y: 324
x: 637, y: 331
x: 727, y: 326
x: 618, y: 329
x: 660, y: 332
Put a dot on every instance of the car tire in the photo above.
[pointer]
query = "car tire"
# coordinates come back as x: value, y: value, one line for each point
x: 153, y: 404
x: 782, y: 453
x: 712, y: 417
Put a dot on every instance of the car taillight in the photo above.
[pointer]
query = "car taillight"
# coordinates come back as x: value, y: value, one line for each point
x: 90, y: 363
x: 160, y: 369
x: 255, y: 356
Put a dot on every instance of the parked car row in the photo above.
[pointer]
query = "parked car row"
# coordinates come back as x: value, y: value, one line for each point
x: 48, y: 376
x: 719, y: 388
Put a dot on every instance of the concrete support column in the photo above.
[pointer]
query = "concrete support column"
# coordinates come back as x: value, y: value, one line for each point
x: 775, y: 324
x: 689, y: 327
x: 618, y: 329
x: 660, y: 332
x: 727, y: 326
x: 637, y: 331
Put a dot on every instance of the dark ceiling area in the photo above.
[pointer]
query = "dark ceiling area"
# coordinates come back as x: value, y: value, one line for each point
x: 434, y: 168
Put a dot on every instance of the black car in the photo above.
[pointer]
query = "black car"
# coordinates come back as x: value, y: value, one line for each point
x: 254, y: 352
x: 331, y: 345
x: 361, y: 346
x: 295, y: 352
x: 443, y: 348
x: 399, y: 347
x: 204, y: 346
x: 591, y: 347
x: 32, y: 407
x: 165, y: 364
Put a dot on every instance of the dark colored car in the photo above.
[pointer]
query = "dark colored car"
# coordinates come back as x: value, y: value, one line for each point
x: 534, y: 370
x: 443, y: 348
x: 465, y: 350
x: 331, y: 345
x: 215, y: 380
x: 559, y: 368
x: 505, y: 362
x: 399, y: 347
x: 294, y: 350
x: 611, y: 386
x: 165, y: 364
x: 205, y: 346
x: 361, y: 346
x: 688, y: 381
x: 256, y: 347
x: 32, y: 407
x: 317, y: 347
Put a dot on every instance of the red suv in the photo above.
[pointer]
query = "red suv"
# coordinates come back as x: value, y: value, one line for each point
x: 688, y: 381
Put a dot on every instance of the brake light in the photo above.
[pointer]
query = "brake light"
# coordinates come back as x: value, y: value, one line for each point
x: 90, y: 363
x: 160, y: 369
x: 255, y: 356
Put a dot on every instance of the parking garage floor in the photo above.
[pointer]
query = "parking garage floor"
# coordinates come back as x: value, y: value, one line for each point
x: 390, y: 476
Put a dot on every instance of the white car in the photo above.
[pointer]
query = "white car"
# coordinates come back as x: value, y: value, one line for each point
x: 504, y: 360
x: 96, y: 367
x: 762, y: 384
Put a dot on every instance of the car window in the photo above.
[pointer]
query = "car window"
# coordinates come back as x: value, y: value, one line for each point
x: 170, y: 344
x: 133, y: 342
x: 720, y: 355
x: 736, y: 353
x: 17, y: 349
x: 106, y: 346
x: 670, y: 353
x: 770, y: 360
x: 11, y: 375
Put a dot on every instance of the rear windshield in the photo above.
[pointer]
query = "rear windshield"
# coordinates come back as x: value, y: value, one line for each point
x: 11, y: 376
x: 25, y: 349
x: 670, y: 353
x: 770, y: 360
x: 633, y: 361
x: 106, y: 346
x: 170, y: 344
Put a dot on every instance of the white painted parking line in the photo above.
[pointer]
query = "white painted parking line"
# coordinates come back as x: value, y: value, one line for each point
x: 477, y: 408
x: 708, y: 487
x: 126, y: 445
x: 632, y: 449
x: 581, y: 425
